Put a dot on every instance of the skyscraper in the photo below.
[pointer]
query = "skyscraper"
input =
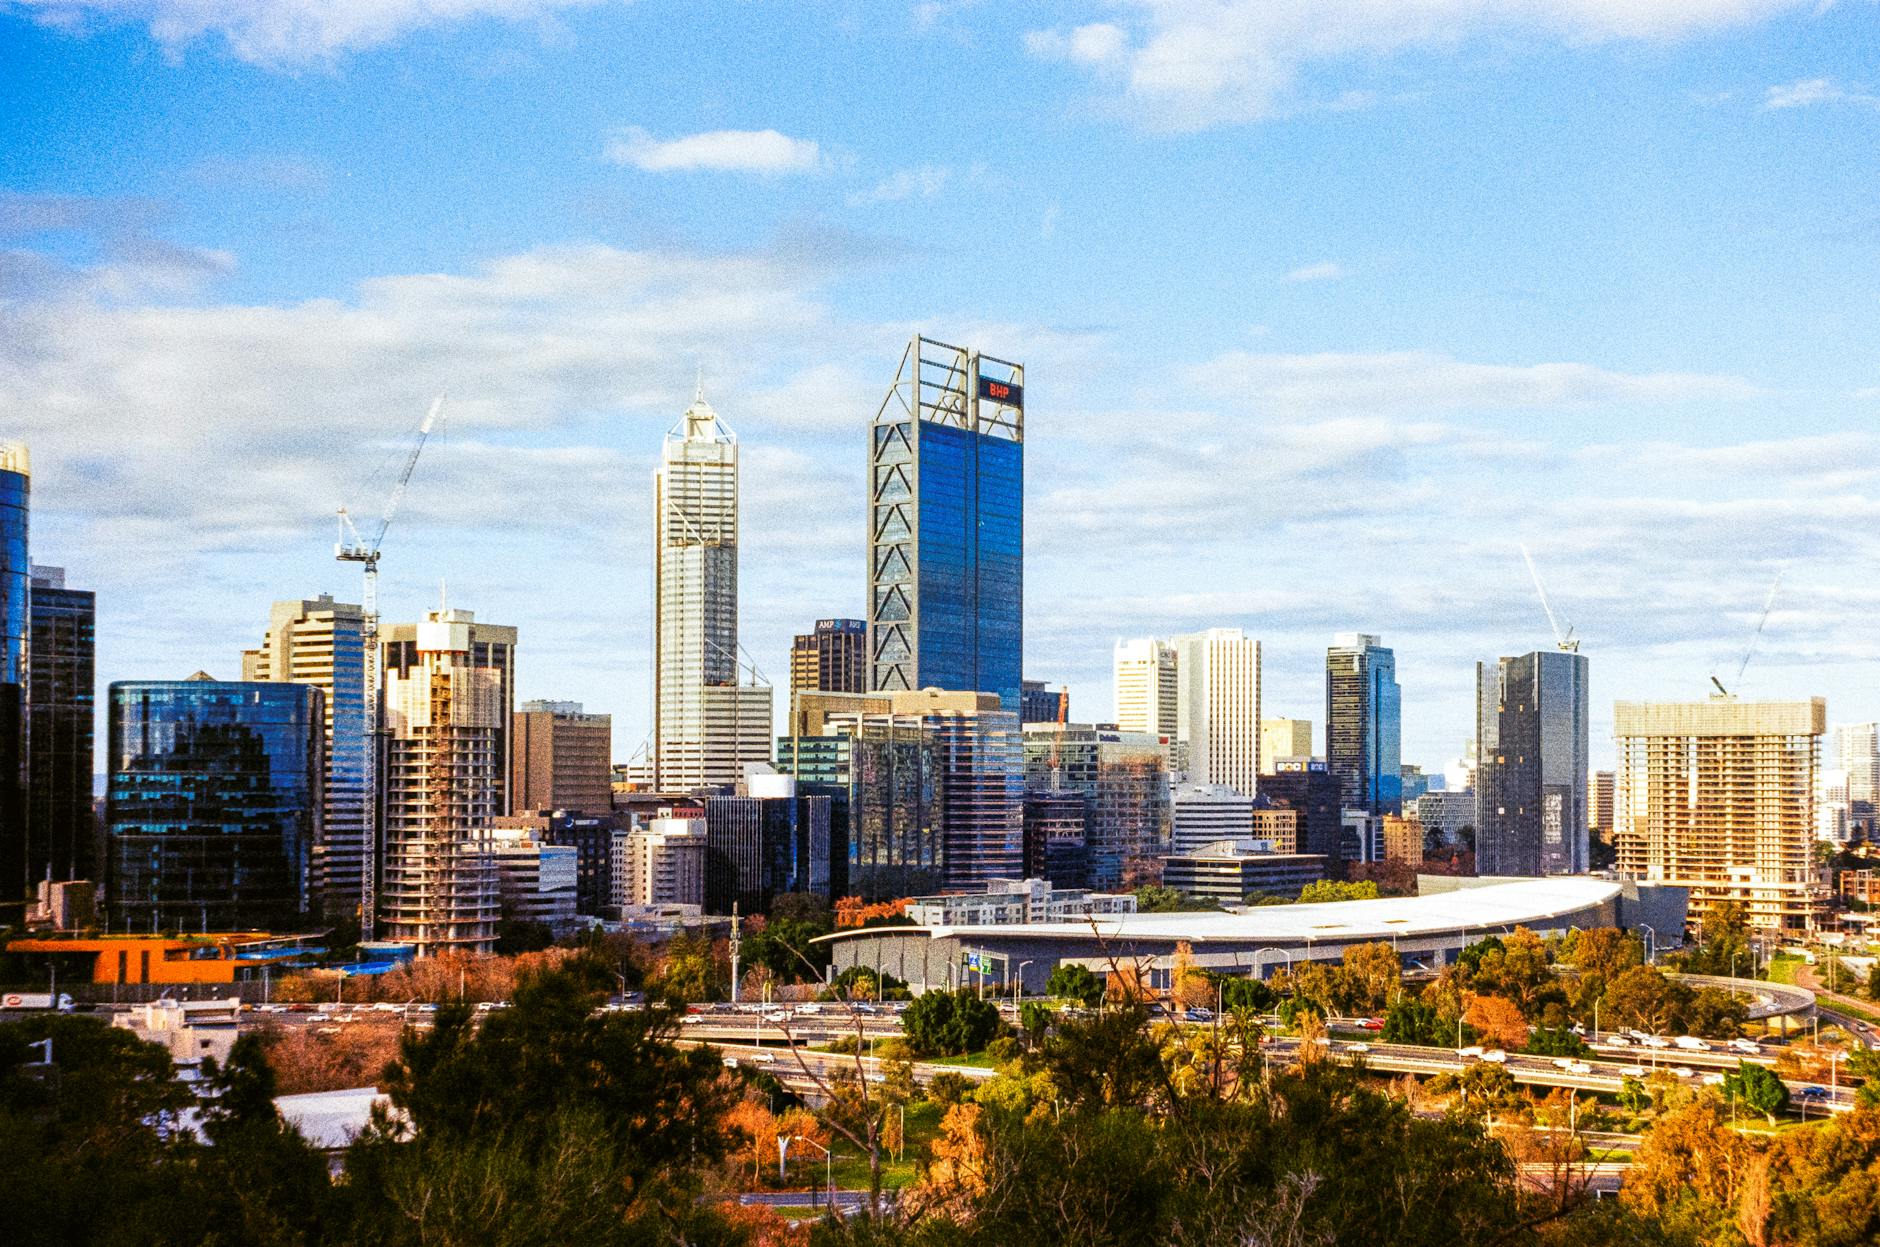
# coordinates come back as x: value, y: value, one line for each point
x: 562, y: 759
x: 947, y: 525
x: 1041, y: 704
x: 1218, y: 707
x: 16, y: 578
x: 1146, y: 686
x: 63, y: 647
x: 1124, y: 779
x: 706, y: 724
x: 832, y: 659
x: 449, y: 693
x: 213, y: 804
x: 1531, y: 776
x: 1856, y: 750
x: 321, y: 642
x: 1283, y: 738
x: 1362, y: 722
x: 1718, y: 796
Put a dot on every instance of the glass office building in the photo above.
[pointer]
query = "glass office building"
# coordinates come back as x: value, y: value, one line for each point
x: 947, y: 526
x: 1363, y: 716
x: 61, y: 829
x: 15, y: 624
x: 213, y: 805
x: 1532, y: 734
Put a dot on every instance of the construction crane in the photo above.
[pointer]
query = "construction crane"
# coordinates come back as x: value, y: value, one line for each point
x: 1762, y: 621
x: 1566, y: 642
x: 351, y: 549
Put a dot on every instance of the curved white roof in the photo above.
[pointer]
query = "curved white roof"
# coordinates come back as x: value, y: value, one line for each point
x: 1488, y: 908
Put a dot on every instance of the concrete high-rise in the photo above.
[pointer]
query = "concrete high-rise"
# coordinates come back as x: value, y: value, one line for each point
x: 707, y: 725
x: 1283, y: 738
x: 1205, y: 813
x: 62, y: 829
x: 1147, y: 688
x: 1718, y: 797
x: 1363, y: 710
x: 832, y: 659
x: 946, y: 533
x: 1599, y: 803
x: 665, y: 862
x: 16, y: 582
x: 562, y: 759
x: 449, y: 696
x: 213, y: 804
x: 321, y: 642
x: 1531, y: 773
x: 1124, y: 779
x: 1218, y: 707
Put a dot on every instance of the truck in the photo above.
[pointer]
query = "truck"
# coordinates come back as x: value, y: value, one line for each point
x: 36, y: 1000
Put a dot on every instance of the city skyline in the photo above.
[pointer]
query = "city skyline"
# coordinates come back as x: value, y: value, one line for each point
x: 1401, y: 413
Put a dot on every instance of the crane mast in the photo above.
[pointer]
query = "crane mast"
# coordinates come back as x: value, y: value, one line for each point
x: 351, y: 549
x: 1564, y: 641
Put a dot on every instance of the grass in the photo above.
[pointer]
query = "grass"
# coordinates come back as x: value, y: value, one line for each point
x: 977, y: 1060
x: 923, y: 1126
x: 1782, y: 970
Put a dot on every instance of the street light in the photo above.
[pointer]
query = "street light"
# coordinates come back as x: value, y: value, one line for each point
x: 829, y: 1162
x: 1017, y: 982
x: 1651, y: 946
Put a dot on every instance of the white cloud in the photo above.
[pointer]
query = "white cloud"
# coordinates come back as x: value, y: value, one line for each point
x: 741, y: 151
x: 1808, y: 91
x: 923, y: 182
x: 285, y: 32
x: 1427, y: 381
x: 1328, y: 271
x: 1194, y: 64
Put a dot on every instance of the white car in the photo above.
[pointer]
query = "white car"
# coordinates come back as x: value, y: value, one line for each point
x: 1683, y: 1071
x: 1617, y: 1041
x: 1746, y: 1045
x: 1357, y: 1047
x: 1495, y: 1056
x: 1655, y: 1041
x: 1579, y: 1067
x: 1472, y: 1051
x: 1713, y: 1080
x: 1564, y: 1062
x: 1691, y: 1043
x: 1633, y: 1071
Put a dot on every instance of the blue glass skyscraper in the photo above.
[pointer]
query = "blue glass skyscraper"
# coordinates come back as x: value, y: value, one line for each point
x: 946, y: 558
x: 1363, y: 717
x: 214, y: 804
x: 15, y: 627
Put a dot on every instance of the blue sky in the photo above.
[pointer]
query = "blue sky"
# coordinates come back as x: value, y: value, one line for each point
x: 1326, y: 308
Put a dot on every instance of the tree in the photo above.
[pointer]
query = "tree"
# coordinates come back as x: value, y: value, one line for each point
x: 1187, y: 984
x: 1320, y: 891
x: 1644, y: 998
x: 858, y: 983
x: 1686, y: 1174
x: 1633, y: 1096
x: 1156, y: 899
x: 517, y: 936
x: 1604, y: 951
x: 1757, y: 1087
x: 1375, y: 973
x: 1069, y: 981
x: 1107, y: 1060
x: 1873, y: 981
x: 693, y: 971
x: 1713, y: 1013
x: 949, y: 1023
x: 1412, y: 1021
x: 1555, y: 1041
x: 1498, y: 1019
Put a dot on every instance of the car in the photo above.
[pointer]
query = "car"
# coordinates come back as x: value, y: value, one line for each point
x: 1632, y: 1071
x: 1683, y: 1071
x: 1372, y: 1024
x: 1747, y: 1045
x: 1357, y: 1047
x: 774, y: 1018
x: 1495, y: 1056
x: 1712, y: 1079
x: 1564, y: 1062
x: 1472, y: 1052
x: 1616, y: 1041
x: 1198, y: 1015
x: 1655, y: 1041
x: 1579, y: 1067
x: 1814, y: 1093
x: 1691, y: 1043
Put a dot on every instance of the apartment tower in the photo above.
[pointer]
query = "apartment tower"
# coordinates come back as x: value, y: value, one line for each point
x: 1146, y: 684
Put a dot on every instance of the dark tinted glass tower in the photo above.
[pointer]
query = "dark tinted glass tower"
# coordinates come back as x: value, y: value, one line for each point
x: 1531, y: 777
x: 1362, y: 718
x: 62, y: 832
x: 832, y: 659
x: 947, y: 525
x: 213, y: 805
x: 15, y: 624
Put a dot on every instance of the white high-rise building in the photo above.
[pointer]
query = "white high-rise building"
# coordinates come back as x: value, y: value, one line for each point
x: 1145, y: 680
x: 449, y: 695
x: 666, y: 862
x: 322, y: 642
x: 1857, y: 751
x: 1217, y: 711
x: 1205, y: 813
x: 706, y: 724
x: 1832, y: 806
x: 1283, y: 738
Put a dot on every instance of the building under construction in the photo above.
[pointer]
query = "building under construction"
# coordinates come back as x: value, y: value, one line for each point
x: 449, y: 689
x: 1717, y: 796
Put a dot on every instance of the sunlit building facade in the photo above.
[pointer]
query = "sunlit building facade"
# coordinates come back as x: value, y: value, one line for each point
x: 1531, y: 733
x: 1363, y: 711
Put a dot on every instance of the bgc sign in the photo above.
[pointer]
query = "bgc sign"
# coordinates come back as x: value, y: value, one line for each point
x: 1008, y: 393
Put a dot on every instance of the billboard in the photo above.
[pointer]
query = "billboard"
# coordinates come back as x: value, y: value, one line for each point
x: 1006, y: 393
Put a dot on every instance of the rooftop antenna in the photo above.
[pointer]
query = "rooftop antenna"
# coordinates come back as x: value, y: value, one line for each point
x: 1566, y: 642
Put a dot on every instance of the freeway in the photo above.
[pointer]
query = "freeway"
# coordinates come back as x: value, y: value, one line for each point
x: 788, y: 1065
x: 1594, y: 1076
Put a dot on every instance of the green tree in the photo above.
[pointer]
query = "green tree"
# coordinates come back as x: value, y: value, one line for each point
x: 1758, y: 1088
x: 858, y: 983
x: 1644, y: 998
x: 1873, y: 981
x: 1105, y: 1061
x: 1713, y: 1013
x: 947, y: 1023
x: 1412, y: 1021
x: 1069, y: 981
x: 1155, y: 899
x: 1633, y: 1095
x: 1555, y: 1041
x: 517, y: 936
x: 692, y: 971
x: 1320, y: 891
